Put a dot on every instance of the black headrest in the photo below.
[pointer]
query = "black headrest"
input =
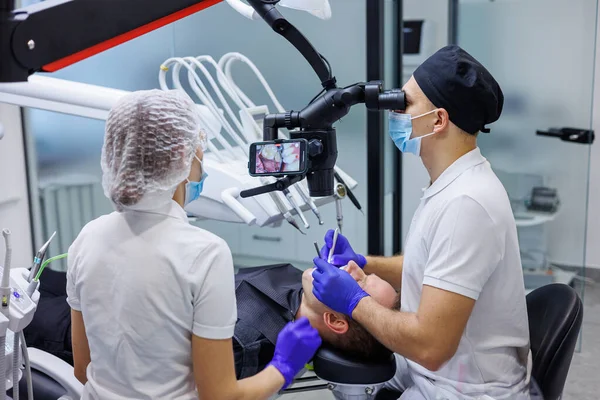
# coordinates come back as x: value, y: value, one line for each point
x: 333, y: 366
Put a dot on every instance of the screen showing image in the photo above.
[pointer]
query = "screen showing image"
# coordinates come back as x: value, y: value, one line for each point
x: 282, y: 157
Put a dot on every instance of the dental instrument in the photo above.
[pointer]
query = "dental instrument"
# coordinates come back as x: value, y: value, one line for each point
x: 339, y: 194
x: 309, y: 201
x: 351, y: 196
x: 282, y: 208
x: 39, y: 257
x: 336, y: 233
x: 5, y: 288
x: 317, y: 249
x: 290, y: 198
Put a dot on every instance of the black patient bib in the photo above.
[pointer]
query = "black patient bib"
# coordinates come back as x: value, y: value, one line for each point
x: 267, y: 299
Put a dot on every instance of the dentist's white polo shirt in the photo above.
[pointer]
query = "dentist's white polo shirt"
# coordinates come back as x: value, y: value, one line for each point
x: 463, y: 239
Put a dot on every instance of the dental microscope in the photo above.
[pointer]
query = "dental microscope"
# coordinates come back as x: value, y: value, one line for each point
x: 315, y: 122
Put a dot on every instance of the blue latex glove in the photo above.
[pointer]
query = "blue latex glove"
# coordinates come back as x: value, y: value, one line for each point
x: 336, y: 288
x: 343, y: 253
x: 296, y: 345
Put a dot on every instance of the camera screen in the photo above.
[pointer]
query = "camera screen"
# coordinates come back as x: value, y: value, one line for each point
x: 281, y: 157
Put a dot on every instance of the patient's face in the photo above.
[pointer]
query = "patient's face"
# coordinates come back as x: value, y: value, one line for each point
x: 381, y: 291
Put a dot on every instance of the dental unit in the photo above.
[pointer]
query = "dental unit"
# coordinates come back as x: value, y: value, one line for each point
x: 19, y: 303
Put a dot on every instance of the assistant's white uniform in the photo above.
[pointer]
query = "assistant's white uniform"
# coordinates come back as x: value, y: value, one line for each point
x: 463, y: 239
x: 145, y: 280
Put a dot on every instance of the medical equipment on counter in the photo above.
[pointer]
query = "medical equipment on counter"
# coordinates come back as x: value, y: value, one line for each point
x: 543, y: 199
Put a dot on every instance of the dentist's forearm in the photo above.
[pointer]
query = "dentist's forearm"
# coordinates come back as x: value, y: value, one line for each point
x: 400, y: 332
x: 387, y: 268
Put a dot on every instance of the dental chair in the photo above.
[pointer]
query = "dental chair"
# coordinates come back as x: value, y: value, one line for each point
x: 52, y: 378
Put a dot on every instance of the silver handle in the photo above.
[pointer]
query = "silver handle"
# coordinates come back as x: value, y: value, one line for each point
x: 266, y: 238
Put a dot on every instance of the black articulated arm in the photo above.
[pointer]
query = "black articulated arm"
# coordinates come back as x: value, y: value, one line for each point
x: 269, y: 13
x: 53, y: 34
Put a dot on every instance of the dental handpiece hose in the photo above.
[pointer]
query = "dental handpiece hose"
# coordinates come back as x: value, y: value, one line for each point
x: 308, y: 200
x: 39, y: 257
x: 5, y: 284
x: 290, y: 198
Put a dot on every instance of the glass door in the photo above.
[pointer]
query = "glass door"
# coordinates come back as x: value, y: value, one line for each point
x: 542, y: 52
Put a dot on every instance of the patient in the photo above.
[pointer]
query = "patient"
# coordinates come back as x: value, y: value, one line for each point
x: 267, y: 298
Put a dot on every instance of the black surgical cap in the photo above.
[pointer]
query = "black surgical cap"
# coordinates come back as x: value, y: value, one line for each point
x: 452, y: 79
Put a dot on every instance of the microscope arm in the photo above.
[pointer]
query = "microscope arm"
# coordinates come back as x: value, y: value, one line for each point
x: 272, y: 16
x: 54, y: 34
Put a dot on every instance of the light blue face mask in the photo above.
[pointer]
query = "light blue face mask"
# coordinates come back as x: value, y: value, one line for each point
x: 193, y: 189
x: 400, y: 129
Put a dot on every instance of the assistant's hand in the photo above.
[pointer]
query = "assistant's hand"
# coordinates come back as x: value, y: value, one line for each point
x: 336, y: 288
x: 296, y: 346
x: 343, y: 252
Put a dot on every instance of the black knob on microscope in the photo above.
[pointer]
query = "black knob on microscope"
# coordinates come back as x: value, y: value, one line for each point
x: 315, y: 147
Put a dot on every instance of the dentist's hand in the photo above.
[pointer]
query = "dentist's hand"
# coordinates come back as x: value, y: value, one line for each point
x: 336, y: 288
x: 296, y: 346
x: 343, y: 252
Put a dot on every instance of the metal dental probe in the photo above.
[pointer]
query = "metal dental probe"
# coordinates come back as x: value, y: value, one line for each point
x: 317, y: 249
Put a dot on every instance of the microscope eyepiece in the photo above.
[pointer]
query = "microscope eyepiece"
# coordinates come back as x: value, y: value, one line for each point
x: 378, y: 99
x: 392, y: 100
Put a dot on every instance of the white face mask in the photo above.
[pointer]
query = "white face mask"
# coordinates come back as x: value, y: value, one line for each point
x: 400, y: 130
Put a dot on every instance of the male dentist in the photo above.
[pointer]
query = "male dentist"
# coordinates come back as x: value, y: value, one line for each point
x: 462, y: 330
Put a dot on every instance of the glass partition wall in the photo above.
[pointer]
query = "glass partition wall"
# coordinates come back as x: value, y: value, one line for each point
x: 64, y: 150
x: 542, y: 52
